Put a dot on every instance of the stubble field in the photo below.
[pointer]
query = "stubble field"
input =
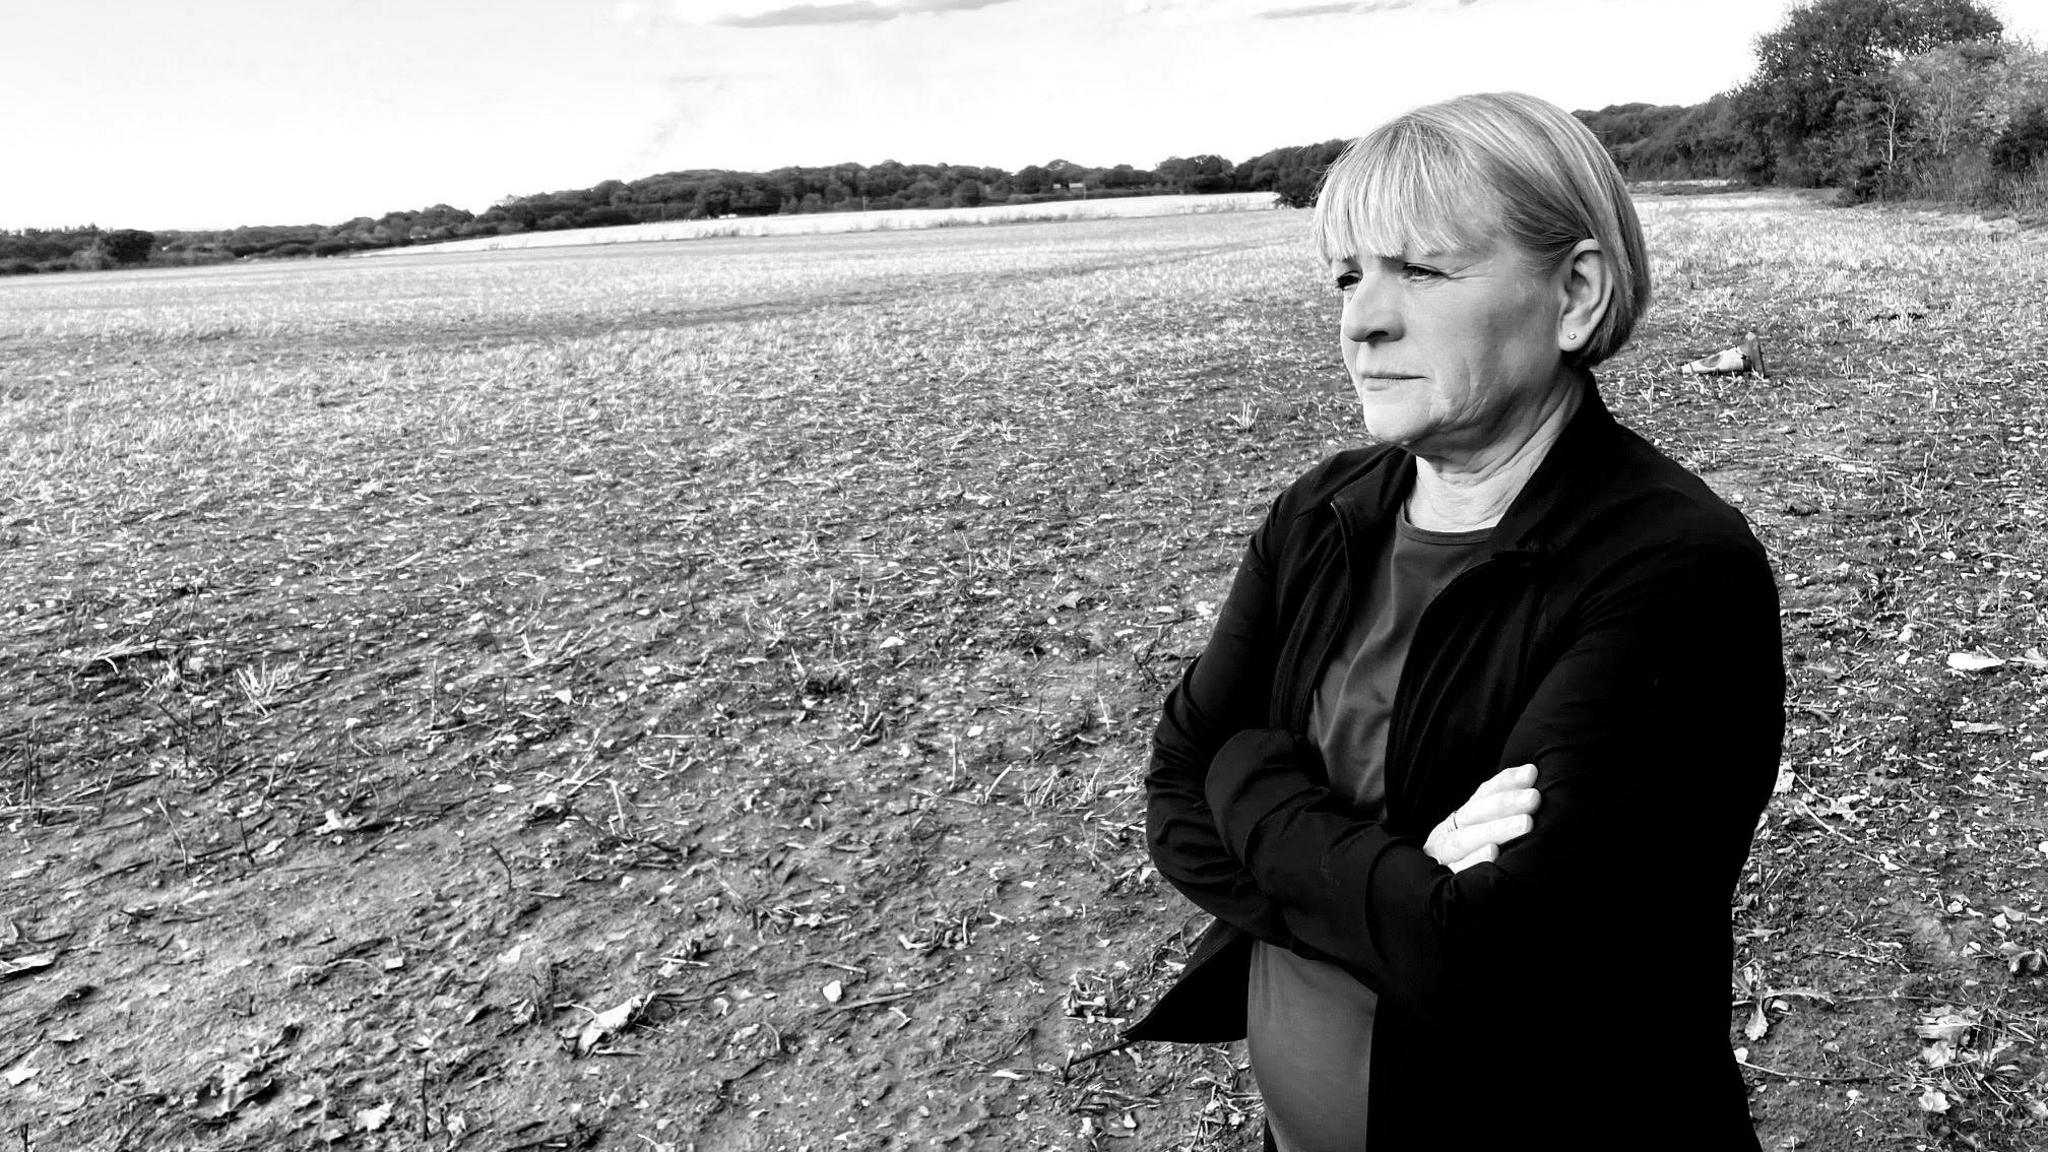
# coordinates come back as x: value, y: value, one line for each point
x: 695, y: 696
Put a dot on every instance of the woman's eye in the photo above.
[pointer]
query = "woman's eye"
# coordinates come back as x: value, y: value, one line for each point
x: 1346, y: 281
x: 1419, y: 272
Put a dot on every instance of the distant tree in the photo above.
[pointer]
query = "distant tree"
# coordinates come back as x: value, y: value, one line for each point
x: 2023, y: 144
x: 968, y: 194
x: 1032, y: 179
x: 712, y: 202
x: 1292, y: 173
x: 1295, y: 190
x: 439, y: 222
x: 884, y: 180
x: 1121, y: 176
x: 1198, y: 174
x: 127, y: 245
x: 757, y: 196
x: 1820, y: 77
x: 1947, y: 90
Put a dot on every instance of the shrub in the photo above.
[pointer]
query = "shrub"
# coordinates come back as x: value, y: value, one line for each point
x: 2023, y: 143
x: 1296, y: 190
x: 128, y: 245
x: 604, y: 218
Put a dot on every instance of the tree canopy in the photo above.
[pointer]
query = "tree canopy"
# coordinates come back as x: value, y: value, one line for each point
x: 1822, y: 80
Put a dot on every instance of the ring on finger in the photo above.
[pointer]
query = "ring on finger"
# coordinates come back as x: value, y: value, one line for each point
x: 1454, y: 819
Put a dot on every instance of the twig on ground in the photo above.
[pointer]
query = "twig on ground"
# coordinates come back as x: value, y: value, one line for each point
x: 1805, y: 1075
x: 887, y: 998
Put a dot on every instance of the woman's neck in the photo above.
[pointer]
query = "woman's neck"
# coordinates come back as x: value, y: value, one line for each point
x: 1464, y: 495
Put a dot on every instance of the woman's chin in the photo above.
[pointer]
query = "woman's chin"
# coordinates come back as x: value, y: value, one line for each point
x: 1394, y: 428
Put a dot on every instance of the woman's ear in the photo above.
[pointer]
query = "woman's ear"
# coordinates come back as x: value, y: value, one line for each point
x: 1585, y: 289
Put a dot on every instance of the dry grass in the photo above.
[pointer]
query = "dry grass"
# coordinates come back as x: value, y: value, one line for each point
x: 419, y: 658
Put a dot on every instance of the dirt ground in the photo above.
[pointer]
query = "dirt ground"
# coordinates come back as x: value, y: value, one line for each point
x: 570, y: 717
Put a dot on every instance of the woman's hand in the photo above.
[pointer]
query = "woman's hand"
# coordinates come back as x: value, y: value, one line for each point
x: 1502, y: 809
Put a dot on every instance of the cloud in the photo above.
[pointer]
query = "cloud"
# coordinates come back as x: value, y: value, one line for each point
x: 1343, y: 9
x: 848, y: 12
x: 1204, y: 10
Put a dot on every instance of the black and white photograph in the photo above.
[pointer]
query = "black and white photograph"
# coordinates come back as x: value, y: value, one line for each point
x: 1080, y: 575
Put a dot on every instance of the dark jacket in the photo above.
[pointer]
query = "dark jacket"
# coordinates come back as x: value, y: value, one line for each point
x: 1620, y: 631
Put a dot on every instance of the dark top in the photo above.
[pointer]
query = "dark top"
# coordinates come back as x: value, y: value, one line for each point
x: 1620, y: 631
x: 1309, y: 1022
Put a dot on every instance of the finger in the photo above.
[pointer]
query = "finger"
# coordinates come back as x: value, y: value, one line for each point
x: 1479, y: 837
x: 1496, y: 805
x: 1486, y: 855
x: 1519, y: 776
x: 1449, y: 844
x: 1492, y: 833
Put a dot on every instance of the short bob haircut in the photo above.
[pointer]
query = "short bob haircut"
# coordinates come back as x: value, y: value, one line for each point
x: 1499, y: 165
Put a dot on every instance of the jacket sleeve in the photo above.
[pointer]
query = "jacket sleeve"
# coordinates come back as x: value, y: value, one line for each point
x: 1655, y: 734
x: 1226, y: 690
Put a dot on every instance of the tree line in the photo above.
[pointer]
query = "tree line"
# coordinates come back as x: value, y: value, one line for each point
x: 698, y: 194
x: 1920, y: 99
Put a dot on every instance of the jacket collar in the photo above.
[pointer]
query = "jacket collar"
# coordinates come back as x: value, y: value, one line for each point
x: 1557, y: 498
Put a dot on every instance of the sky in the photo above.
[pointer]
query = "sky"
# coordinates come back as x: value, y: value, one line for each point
x: 216, y: 113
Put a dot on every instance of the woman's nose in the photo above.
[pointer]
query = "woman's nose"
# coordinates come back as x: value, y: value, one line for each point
x: 1370, y: 316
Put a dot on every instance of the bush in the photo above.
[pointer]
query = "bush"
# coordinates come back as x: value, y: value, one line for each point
x: 605, y: 218
x: 128, y: 245
x: 196, y: 254
x: 290, y: 250
x: 1296, y: 190
x: 16, y: 268
x: 2023, y: 143
x: 329, y: 246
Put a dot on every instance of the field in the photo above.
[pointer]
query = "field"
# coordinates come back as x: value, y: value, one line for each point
x: 694, y: 696
x: 881, y: 220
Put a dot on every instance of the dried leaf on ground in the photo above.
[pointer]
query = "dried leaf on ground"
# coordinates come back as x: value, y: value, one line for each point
x: 372, y: 1119
x: 612, y: 1020
x: 23, y: 965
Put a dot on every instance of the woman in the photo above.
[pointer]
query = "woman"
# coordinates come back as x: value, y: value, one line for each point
x: 1469, y: 768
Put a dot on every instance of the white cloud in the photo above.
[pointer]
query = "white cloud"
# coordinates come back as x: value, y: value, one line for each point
x: 1279, y: 9
x: 783, y: 13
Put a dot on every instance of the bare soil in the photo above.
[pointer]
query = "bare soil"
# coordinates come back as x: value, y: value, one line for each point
x: 552, y: 717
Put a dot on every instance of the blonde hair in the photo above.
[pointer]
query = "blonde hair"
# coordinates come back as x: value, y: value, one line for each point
x: 1459, y: 173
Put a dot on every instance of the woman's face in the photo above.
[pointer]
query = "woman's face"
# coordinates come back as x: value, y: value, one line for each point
x: 1452, y: 353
